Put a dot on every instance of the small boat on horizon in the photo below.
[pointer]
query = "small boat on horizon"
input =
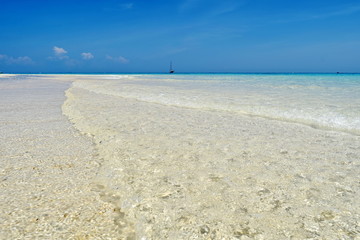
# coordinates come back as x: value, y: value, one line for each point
x: 171, y: 69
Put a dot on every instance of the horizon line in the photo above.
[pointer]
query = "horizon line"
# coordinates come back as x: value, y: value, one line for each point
x: 266, y: 72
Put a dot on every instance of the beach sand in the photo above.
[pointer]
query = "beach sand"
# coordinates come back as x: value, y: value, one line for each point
x: 47, y: 167
x: 149, y: 171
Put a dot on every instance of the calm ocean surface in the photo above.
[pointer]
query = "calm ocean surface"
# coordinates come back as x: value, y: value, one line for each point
x: 328, y: 101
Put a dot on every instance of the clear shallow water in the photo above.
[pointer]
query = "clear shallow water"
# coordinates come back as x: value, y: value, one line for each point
x: 330, y: 101
x: 182, y: 161
x: 46, y: 166
x: 199, y: 170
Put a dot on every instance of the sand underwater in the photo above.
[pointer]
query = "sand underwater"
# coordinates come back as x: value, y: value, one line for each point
x: 80, y: 161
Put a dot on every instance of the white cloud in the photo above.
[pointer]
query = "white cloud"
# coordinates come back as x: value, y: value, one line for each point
x: 119, y: 59
x: 60, y: 54
x: 25, y: 60
x: 59, y: 51
x: 87, y: 56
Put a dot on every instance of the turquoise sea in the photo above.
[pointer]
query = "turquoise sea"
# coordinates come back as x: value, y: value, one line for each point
x: 326, y: 101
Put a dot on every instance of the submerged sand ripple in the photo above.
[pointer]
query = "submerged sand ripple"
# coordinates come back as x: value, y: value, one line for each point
x: 178, y: 173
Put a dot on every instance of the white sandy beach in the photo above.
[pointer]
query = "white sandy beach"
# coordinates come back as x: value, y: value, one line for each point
x: 47, y: 167
x: 118, y: 168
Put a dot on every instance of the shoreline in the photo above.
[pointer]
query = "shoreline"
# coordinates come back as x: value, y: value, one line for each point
x: 120, y: 168
x: 183, y: 173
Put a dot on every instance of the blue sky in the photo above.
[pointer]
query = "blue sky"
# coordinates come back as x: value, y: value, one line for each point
x: 197, y: 35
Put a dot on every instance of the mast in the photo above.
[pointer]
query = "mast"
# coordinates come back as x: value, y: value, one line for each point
x: 171, y: 70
